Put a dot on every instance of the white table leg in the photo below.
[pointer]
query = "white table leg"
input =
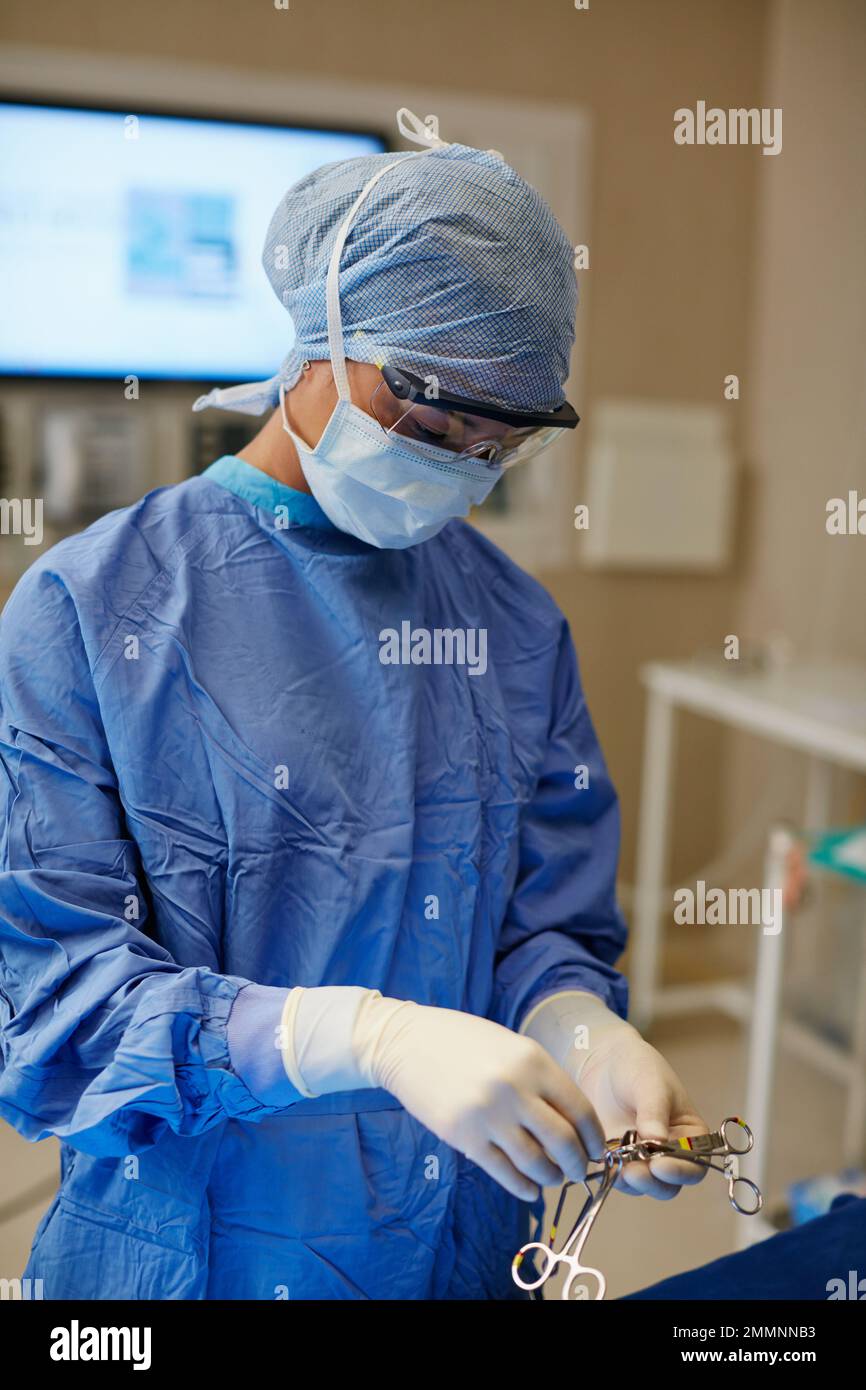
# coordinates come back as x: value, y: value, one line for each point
x: 766, y: 1008
x: 818, y: 815
x: 652, y: 855
x: 854, y: 1134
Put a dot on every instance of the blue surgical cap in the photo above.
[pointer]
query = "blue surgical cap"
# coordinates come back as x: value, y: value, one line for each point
x: 453, y: 267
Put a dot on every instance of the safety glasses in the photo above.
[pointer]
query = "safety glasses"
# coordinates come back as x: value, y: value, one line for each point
x: 403, y: 404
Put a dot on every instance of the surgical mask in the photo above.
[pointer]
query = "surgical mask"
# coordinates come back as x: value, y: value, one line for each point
x: 380, y: 487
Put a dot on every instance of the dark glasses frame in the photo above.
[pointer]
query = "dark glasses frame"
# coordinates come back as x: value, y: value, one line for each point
x: 408, y: 387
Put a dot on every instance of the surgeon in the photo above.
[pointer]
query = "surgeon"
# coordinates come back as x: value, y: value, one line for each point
x: 307, y: 925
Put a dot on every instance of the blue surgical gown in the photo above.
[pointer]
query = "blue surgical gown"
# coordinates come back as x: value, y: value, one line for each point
x: 212, y: 779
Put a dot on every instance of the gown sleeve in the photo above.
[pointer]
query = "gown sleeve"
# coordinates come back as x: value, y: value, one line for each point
x: 105, y: 1041
x: 563, y: 929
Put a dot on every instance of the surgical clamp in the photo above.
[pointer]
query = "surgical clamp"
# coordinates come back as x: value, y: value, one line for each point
x: 699, y: 1149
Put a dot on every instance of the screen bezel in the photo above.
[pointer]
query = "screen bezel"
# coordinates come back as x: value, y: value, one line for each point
x: 55, y: 103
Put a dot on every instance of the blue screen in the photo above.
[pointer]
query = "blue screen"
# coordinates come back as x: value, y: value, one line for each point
x: 132, y: 245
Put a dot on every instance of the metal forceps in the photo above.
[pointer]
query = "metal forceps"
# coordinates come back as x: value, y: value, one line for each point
x: 572, y: 1251
x: 729, y: 1142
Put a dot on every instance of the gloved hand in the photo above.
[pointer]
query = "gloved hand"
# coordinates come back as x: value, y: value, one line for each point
x: 628, y: 1082
x: 493, y: 1095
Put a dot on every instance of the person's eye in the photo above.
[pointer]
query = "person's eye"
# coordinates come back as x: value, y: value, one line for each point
x: 423, y: 432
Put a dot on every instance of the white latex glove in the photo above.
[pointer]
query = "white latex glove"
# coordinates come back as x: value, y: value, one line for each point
x: 628, y: 1082
x: 495, y: 1096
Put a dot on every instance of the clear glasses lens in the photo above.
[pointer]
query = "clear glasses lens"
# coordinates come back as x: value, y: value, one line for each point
x: 466, y: 436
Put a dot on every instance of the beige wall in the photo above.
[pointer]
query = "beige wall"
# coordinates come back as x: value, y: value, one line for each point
x: 804, y: 403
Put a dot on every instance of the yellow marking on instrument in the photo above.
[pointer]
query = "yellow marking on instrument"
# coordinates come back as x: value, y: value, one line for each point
x: 515, y: 1263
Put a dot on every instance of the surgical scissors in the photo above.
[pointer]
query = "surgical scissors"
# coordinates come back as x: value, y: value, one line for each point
x: 701, y: 1149
x: 572, y: 1250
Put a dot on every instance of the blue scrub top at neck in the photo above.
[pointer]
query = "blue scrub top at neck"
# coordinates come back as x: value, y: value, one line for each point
x: 268, y: 493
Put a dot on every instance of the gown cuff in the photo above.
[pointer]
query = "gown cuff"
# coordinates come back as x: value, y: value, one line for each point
x: 254, y: 1036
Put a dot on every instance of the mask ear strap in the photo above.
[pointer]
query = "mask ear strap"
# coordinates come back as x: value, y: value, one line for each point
x: 332, y: 284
